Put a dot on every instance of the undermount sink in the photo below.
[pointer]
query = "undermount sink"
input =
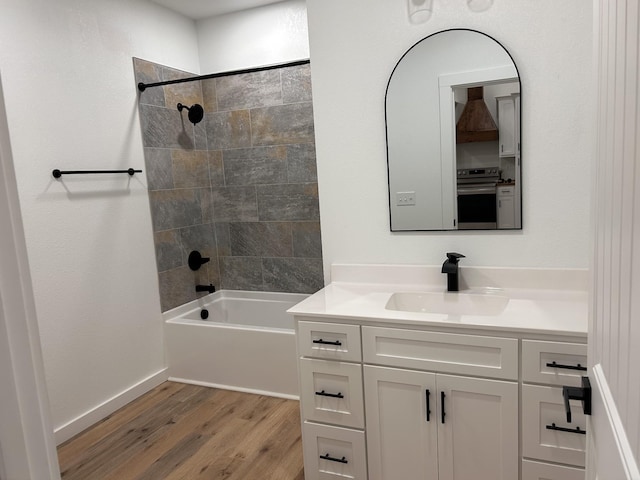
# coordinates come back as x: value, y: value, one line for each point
x: 448, y: 303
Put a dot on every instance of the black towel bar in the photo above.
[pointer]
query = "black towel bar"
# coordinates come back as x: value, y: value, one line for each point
x: 58, y: 173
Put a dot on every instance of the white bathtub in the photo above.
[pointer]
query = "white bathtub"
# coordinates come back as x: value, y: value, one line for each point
x: 246, y: 344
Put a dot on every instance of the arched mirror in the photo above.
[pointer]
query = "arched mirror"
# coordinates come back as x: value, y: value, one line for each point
x: 453, y: 135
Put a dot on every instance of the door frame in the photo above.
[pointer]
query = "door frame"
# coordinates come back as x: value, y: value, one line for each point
x: 27, y: 443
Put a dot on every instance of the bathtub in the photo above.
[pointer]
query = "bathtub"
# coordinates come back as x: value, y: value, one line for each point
x: 247, y: 343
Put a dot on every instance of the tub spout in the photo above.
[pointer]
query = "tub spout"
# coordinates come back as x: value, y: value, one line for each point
x: 205, y: 288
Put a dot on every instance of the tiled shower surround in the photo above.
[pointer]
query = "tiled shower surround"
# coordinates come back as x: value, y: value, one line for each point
x: 240, y: 186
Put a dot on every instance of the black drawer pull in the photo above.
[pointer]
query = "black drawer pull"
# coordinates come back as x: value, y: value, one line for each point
x: 331, y: 459
x: 570, y: 430
x: 333, y: 395
x: 427, y: 394
x: 442, y: 395
x: 325, y: 342
x: 567, y: 367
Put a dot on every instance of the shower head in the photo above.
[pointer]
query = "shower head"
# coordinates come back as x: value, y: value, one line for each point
x: 196, y: 112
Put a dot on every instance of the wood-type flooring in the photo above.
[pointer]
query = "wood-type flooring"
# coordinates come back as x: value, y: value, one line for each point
x: 178, y: 431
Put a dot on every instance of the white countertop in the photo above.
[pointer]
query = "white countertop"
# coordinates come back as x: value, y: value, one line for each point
x: 557, y: 311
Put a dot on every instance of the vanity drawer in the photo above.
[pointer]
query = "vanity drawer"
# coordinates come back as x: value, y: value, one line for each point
x: 492, y: 357
x: 545, y: 471
x: 332, y: 453
x: 555, y: 363
x: 543, y: 407
x: 331, y: 392
x: 332, y: 341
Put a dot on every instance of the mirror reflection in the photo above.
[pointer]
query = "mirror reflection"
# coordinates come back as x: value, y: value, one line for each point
x: 453, y: 135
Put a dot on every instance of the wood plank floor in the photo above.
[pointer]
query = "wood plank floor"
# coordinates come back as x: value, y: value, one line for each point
x: 178, y: 431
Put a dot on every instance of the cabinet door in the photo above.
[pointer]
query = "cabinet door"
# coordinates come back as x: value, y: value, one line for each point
x: 401, y: 432
x: 477, y: 428
x: 506, y: 212
x: 506, y: 127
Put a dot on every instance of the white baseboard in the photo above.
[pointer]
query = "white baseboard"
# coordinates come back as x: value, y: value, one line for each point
x: 77, y: 425
x: 235, y: 389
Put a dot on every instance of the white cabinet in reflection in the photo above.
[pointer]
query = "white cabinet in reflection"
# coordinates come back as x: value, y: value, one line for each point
x: 510, y: 205
x: 509, y: 125
x: 506, y: 206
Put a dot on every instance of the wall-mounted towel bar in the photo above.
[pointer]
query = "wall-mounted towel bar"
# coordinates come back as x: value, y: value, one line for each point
x: 58, y: 173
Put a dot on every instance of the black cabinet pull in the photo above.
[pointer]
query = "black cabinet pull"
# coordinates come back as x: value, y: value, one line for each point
x: 442, y: 395
x: 333, y: 395
x: 332, y: 459
x: 569, y: 430
x: 326, y: 342
x: 427, y: 394
x: 567, y: 367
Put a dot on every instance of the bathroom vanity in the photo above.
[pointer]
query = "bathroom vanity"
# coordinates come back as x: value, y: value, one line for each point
x: 401, y: 380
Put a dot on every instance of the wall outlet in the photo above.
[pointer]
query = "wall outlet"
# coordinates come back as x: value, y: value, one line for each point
x: 405, y: 198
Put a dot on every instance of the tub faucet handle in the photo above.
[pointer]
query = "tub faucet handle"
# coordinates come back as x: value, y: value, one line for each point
x: 196, y: 260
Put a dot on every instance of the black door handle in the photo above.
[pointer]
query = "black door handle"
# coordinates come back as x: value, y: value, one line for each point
x: 427, y: 394
x: 442, y: 395
x: 578, y: 393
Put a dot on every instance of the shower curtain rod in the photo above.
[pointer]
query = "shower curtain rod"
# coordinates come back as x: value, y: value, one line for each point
x: 142, y: 86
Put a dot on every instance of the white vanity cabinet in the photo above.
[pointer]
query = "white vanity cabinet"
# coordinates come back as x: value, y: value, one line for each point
x: 388, y: 401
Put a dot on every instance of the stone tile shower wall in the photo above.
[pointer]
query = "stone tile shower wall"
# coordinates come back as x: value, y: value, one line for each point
x: 240, y: 186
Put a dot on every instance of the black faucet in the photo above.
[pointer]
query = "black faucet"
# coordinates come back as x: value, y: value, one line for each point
x: 205, y: 288
x: 450, y: 267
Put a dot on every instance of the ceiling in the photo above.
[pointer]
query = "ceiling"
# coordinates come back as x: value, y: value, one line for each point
x: 197, y: 9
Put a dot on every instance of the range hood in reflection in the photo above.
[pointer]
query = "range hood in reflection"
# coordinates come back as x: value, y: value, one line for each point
x: 476, y: 123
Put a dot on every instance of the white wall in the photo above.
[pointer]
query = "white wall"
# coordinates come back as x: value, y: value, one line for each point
x: 71, y: 104
x: 354, y: 46
x: 256, y: 37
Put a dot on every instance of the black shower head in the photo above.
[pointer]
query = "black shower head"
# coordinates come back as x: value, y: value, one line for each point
x: 196, y: 112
